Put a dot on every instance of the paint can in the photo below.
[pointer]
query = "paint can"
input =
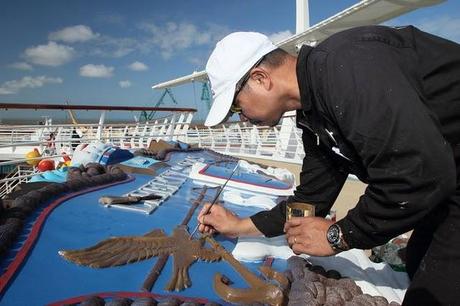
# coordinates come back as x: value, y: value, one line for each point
x: 299, y: 209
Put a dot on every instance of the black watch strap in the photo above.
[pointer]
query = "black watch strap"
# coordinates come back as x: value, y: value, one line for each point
x: 335, y: 238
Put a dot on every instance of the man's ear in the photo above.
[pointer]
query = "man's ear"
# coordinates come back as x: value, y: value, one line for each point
x: 261, y: 77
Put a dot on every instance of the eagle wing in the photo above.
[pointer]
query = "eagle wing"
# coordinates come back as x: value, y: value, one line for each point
x: 117, y: 251
x: 208, y: 255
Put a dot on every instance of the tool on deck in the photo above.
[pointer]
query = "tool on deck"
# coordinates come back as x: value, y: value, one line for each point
x: 215, y: 198
x: 109, y: 200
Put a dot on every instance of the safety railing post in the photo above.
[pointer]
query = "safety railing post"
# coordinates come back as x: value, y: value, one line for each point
x: 241, y: 138
x: 200, y: 144
x: 211, y: 137
x: 186, y: 125
x: 162, y: 130
x: 142, y: 136
x: 256, y: 138
x: 123, y: 136
x: 40, y: 138
x: 171, y: 128
x: 100, y: 126
x: 178, y: 127
x: 227, y: 138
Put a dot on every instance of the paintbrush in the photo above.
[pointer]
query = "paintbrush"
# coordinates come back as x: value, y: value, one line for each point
x: 215, y: 199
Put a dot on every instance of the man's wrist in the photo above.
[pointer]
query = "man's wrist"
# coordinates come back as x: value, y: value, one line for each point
x: 245, y: 227
x: 334, y: 236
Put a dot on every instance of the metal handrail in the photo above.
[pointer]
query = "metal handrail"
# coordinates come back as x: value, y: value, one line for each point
x: 281, y: 142
x: 14, y: 178
x: 52, y: 139
x: 246, y: 140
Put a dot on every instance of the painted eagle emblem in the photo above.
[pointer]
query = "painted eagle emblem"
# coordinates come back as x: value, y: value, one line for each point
x: 117, y: 251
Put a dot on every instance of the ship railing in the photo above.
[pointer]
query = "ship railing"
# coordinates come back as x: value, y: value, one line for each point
x: 282, y: 142
x: 54, y: 140
x: 127, y: 136
x: 22, y: 173
x: 17, y: 140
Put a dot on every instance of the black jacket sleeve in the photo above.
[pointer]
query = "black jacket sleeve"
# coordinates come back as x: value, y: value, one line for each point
x: 320, y: 184
x: 320, y: 179
x: 377, y: 105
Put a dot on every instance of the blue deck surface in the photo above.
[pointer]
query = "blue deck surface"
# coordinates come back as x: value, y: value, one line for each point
x: 80, y: 222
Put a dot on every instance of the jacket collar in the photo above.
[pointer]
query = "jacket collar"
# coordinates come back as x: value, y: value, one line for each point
x: 302, y: 77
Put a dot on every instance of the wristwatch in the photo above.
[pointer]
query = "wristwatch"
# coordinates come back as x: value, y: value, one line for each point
x: 334, y: 236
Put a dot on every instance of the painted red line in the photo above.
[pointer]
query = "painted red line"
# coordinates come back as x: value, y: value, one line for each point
x: 126, y: 294
x: 35, y: 232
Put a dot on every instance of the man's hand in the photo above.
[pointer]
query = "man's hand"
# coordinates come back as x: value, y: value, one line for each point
x: 219, y: 219
x: 307, y: 235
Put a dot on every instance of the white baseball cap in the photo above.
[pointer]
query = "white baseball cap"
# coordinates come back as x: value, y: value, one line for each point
x: 232, y: 58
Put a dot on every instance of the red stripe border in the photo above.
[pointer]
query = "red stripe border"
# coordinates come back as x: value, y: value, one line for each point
x: 126, y: 294
x: 13, y: 267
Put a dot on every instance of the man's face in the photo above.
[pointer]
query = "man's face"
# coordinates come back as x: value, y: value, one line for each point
x: 259, y: 103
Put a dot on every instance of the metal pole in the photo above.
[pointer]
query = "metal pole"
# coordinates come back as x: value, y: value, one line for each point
x: 101, y: 126
x: 302, y: 16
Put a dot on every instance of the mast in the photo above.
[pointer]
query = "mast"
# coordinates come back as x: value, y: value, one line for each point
x: 288, y: 123
x: 302, y: 16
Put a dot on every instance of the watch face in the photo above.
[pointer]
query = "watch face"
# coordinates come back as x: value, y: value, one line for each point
x: 333, y: 234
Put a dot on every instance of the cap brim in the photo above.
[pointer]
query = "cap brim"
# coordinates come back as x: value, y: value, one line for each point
x: 220, y: 107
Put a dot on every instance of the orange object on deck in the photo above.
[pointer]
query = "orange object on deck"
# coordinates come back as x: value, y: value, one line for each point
x: 45, y: 165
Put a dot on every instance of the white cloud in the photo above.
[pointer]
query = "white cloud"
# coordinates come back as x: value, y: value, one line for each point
x: 138, y: 66
x: 22, y: 66
x: 168, y: 40
x: 96, y: 71
x: 124, y: 84
x: 78, y: 33
x: 279, y: 36
x: 12, y: 87
x: 113, y: 47
x: 197, y: 61
x: 174, y: 37
x: 52, y: 54
x: 96, y: 44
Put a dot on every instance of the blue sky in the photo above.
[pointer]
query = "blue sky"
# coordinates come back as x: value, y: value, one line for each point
x: 111, y: 52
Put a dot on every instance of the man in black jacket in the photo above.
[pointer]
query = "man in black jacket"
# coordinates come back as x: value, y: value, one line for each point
x: 377, y: 102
